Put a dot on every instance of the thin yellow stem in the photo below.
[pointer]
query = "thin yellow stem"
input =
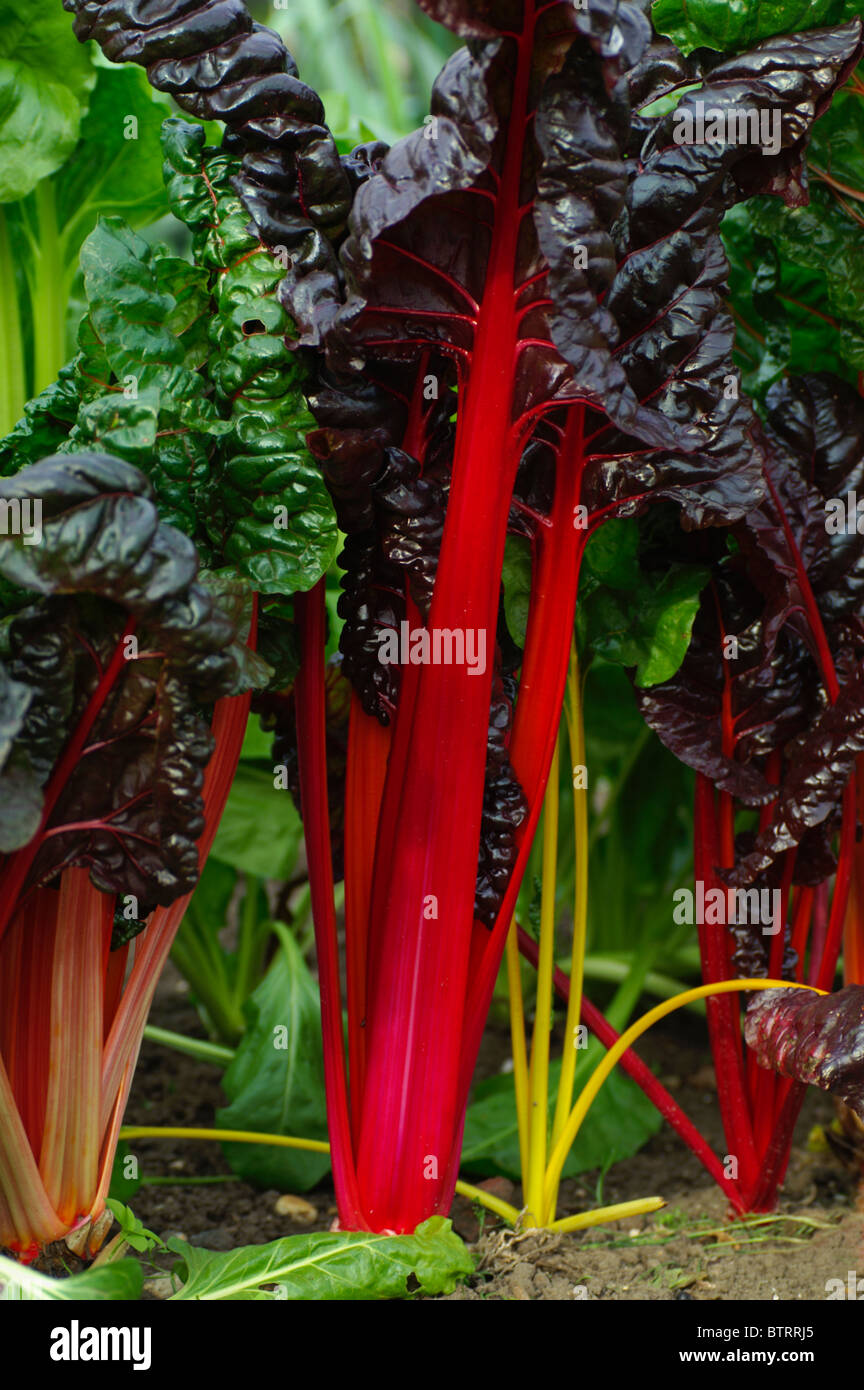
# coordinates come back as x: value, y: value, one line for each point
x: 233, y: 1136
x: 626, y: 1040
x: 486, y: 1199
x: 517, y: 1033
x: 600, y: 1215
x: 288, y: 1141
x: 539, y: 1071
x: 576, y: 738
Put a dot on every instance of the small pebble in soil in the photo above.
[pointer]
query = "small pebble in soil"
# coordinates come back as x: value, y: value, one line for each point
x: 216, y: 1238
x: 296, y: 1208
x: 160, y: 1287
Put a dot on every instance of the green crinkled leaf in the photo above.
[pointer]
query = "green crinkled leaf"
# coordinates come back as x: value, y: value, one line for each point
x: 276, y: 1082
x: 620, y: 1121
x: 820, y: 249
x: 821, y: 237
x: 120, y: 1281
x: 780, y: 312
x: 346, y: 1266
x: 733, y: 25
x: 633, y: 616
x: 128, y: 308
x: 284, y: 531
x: 141, y: 398
x: 45, y: 79
x: 45, y: 425
x: 269, y: 512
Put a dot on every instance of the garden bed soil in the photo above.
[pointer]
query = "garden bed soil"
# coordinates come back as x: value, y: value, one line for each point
x: 688, y: 1250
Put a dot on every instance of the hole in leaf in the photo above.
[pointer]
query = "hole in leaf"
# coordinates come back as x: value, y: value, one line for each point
x: 251, y: 327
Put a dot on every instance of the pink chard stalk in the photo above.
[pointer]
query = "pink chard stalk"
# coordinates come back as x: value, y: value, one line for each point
x: 110, y: 800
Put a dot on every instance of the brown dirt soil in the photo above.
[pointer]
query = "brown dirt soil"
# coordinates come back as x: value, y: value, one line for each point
x: 688, y: 1250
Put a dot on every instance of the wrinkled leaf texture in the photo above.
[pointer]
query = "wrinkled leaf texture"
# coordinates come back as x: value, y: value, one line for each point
x: 793, y: 600
x: 817, y: 1040
x: 128, y: 805
x: 218, y: 64
x: 641, y: 334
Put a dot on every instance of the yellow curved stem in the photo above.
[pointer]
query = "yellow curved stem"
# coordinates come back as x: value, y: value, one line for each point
x: 626, y: 1040
x: 486, y: 1199
x: 288, y: 1141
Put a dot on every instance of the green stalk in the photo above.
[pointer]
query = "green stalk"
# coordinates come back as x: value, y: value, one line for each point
x: 615, y: 971
x: 207, y: 980
x: 628, y: 992
x: 191, y: 1047
x: 48, y: 292
x: 13, y: 386
x: 250, y: 944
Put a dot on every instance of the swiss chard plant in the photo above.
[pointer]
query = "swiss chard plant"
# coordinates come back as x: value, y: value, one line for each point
x: 491, y: 355
x: 519, y: 325
x: 147, y: 566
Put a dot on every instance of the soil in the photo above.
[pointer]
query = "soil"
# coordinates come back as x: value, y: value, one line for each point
x: 688, y: 1250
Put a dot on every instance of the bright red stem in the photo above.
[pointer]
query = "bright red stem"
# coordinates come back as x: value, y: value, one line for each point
x: 411, y: 1103
x: 723, y: 1019
x: 312, y: 751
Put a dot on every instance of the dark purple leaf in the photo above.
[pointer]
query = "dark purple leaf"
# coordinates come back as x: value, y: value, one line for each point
x: 128, y: 805
x: 818, y: 1040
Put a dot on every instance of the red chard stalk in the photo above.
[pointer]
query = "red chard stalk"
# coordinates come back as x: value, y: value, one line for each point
x: 516, y: 323
x: 586, y: 385
x: 774, y: 721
